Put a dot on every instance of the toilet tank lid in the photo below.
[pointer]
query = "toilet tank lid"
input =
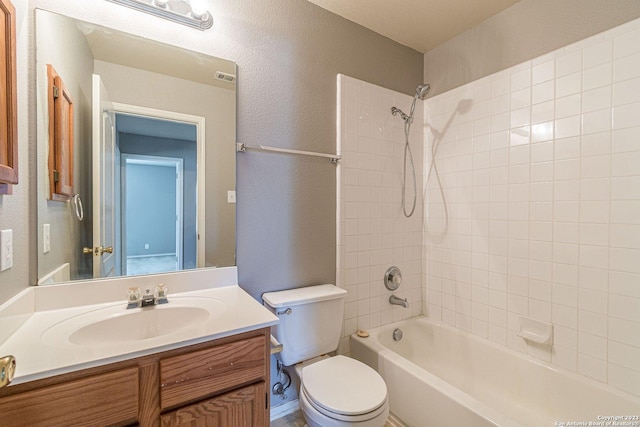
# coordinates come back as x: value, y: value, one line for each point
x: 306, y: 295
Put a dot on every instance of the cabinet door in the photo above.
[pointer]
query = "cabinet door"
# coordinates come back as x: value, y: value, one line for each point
x: 245, y: 407
x: 61, y: 141
x: 8, y: 98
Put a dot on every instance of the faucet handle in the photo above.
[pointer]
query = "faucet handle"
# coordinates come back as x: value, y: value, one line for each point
x: 134, y: 297
x: 161, y: 293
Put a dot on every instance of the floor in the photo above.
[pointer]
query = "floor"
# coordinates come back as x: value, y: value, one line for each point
x: 296, y: 419
x: 151, y: 264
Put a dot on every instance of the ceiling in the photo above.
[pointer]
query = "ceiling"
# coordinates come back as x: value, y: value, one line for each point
x: 418, y: 24
x: 106, y: 44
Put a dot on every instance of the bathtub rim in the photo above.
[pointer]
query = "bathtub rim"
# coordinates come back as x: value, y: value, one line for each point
x: 378, y: 347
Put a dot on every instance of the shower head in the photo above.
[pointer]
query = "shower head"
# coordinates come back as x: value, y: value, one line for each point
x: 422, y: 90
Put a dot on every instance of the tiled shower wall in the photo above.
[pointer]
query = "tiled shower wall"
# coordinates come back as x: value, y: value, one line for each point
x: 540, y: 165
x: 373, y: 233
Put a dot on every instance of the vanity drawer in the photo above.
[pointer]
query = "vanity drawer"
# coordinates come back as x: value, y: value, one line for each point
x: 99, y: 400
x: 190, y: 377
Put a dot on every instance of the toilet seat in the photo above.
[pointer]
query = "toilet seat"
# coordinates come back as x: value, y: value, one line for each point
x: 344, y: 389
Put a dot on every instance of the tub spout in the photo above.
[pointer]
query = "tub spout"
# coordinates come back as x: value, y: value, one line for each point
x: 398, y: 301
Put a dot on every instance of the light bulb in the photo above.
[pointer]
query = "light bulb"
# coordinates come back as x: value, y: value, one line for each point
x: 198, y: 10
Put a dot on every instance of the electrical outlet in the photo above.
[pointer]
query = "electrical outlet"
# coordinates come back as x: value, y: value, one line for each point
x: 231, y: 196
x: 46, y: 237
x: 146, y: 246
x: 6, y: 249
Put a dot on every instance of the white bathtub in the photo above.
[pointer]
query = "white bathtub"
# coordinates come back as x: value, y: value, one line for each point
x: 440, y: 376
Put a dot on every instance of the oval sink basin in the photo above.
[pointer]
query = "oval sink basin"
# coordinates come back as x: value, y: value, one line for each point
x: 117, y: 325
x: 141, y: 325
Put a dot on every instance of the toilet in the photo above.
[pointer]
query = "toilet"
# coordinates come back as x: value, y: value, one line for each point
x: 334, y: 391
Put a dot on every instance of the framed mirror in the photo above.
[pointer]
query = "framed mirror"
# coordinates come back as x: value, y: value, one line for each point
x: 152, y: 164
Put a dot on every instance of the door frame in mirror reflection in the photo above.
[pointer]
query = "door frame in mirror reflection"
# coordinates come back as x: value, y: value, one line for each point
x: 144, y: 215
x: 150, y: 113
x: 103, y: 177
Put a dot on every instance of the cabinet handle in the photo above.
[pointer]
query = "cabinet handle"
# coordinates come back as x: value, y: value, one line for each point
x: 7, y: 370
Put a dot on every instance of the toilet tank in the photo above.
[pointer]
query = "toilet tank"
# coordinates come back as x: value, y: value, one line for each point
x: 310, y: 320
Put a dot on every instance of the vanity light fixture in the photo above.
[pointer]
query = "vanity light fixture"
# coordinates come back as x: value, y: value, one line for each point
x: 186, y: 12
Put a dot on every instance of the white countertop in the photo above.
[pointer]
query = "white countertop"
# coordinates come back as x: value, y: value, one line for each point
x: 38, y: 355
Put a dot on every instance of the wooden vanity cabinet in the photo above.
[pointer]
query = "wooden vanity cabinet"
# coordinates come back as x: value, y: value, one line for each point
x: 213, y: 384
x: 238, y: 408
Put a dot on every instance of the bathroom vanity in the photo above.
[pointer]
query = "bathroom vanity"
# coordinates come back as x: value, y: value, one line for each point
x: 98, y: 363
x: 222, y: 382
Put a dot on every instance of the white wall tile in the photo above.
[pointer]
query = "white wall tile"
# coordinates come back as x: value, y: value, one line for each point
x: 544, y: 92
x: 568, y: 127
x: 596, y: 99
x: 569, y: 63
x: 623, y: 283
x: 597, y: 54
x: 543, y: 183
x: 370, y: 165
x: 568, y: 85
x: 596, y: 121
x: 624, y: 379
x: 625, y: 116
x: 565, y: 358
x: 626, y: 68
x: 593, y: 323
x: 568, y: 105
x: 624, y: 331
x: 543, y: 72
x: 626, y: 92
x: 592, y: 367
x: 626, y: 140
x: 626, y: 44
x: 597, y: 76
x: 624, y: 355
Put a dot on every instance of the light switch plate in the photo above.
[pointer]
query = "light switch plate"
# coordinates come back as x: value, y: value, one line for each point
x: 46, y: 237
x: 231, y: 196
x: 6, y: 249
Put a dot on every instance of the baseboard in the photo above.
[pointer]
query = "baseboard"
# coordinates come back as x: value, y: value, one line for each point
x: 394, y: 421
x: 284, y: 409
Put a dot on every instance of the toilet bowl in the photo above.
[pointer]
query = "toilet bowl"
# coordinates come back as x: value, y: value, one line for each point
x: 334, y: 391
x: 340, y: 391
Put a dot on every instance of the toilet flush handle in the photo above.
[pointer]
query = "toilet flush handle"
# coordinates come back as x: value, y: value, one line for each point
x: 287, y: 311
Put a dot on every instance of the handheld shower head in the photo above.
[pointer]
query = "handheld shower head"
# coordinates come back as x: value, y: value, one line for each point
x: 422, y: 90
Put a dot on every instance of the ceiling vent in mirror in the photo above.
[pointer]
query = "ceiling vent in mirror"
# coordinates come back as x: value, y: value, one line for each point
x: 191, y: 13
x: 225, y: 77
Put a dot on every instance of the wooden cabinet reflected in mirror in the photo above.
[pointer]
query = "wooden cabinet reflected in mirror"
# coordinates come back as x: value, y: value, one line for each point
x: 8, y: 99
x: 60, y: 106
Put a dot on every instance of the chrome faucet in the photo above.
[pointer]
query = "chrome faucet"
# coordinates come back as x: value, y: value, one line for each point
x: 398, y: 301
x: 147, y: 299
x: 135, y: 299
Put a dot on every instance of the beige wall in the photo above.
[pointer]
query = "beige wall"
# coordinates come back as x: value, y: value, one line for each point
x: 524, y: 31
x: 14, y: 209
